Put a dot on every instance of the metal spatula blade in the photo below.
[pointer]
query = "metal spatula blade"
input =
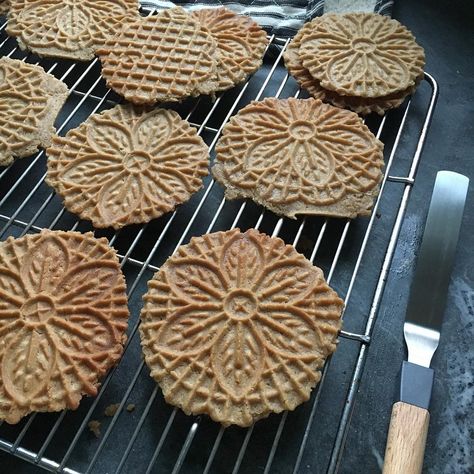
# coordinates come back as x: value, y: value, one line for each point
x: 424, y: 316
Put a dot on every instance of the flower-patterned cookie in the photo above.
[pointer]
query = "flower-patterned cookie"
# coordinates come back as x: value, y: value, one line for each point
x: 70, y: 29
x: 300, y: 156
x: 30, y: 100
x: 237, y: 325
x: 362, y: 54
x: 241, y: 43
x: 63, y: 316
x: 127, y: 165
x: 361, y: 105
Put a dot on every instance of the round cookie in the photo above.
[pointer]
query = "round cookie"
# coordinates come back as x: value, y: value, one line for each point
x: 63, y: 317
x: 70, y: 29
x: 361, y: 105
x: 237, y: 326
x: 300, y: 156
x: 127, y: 165
x: 30, y: 100
x: 362, y: 54
x: 241, y: 43
x: 160, y: 58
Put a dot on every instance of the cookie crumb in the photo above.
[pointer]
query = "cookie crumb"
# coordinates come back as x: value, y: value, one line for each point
x: 111, y: 409
x: 130, y: 407
x: 94, y: 426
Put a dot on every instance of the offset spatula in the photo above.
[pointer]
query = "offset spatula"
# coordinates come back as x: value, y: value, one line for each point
x: 410, y: 417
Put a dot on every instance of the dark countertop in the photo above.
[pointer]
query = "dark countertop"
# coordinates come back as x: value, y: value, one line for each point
x: 446, y: 33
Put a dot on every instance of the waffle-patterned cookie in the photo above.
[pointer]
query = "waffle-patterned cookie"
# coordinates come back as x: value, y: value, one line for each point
x: 361, y: 105
x: 362, y: 54
x: 30, y: 100
x: 63, y: 316
x: 127, y: 166
x: 161, y: 58
x: 300, y: 156
x: 70, y: 29
x: 240, y: 41
x: 237, y: 325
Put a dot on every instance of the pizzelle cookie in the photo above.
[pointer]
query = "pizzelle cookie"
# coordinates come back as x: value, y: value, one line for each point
x: 241, y: 43
x: 70, y: 29
x: 160, y: 58
x: 361, y: 105
x: 237, y: 325
x: 30, y: 100
x: 127, y: 165
x: 300, y: 156
x: 63, y: 316
x: 362, y: 54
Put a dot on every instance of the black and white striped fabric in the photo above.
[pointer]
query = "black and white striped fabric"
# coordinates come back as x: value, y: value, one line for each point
x: 280, y: 17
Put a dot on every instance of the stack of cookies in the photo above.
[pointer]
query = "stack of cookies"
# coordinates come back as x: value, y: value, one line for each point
x: 362, y: 61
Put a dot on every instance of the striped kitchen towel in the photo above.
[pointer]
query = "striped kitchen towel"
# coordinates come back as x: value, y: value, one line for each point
x: 280, y: 17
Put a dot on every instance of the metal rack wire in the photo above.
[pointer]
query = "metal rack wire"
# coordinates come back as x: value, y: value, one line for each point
x: 156, y: 437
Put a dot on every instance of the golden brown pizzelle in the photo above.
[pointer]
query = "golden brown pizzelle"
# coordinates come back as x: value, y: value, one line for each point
x: 70, y: 29
x: 241, y: 43
x: 127, y: 165
x: 362, y: 54
x: 30, y: 100
x: 300, y: 157
x: 160, y: 58
x: 237, y: 326
x: 63, y: 316
x: 361, y: 105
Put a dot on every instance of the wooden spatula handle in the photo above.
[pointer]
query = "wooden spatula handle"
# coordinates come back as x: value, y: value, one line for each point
x: 406, y: 439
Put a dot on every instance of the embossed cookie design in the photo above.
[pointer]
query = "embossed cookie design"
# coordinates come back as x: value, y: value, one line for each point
x: 300, y: 156
x: 241, y: 43
x: 362, y: 54
x: 237, y: 326
x: 127, y: 166
x: 4, y: 6
x: 70, y: 29
x: 361, y: 105
x: 63, y: 316
x: 30, y: 100
x: 160, y: 58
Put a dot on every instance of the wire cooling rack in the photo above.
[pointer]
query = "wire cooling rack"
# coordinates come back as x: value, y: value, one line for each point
x: 145, y: 434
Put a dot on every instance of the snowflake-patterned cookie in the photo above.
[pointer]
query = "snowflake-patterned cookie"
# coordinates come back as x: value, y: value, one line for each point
x: 127, y: 165
x: 63, y: 316
x: 237, y: 325
x: 160, y: 58
x: 362, y: 54
x: 361, y: 105
x: 241, y: 43
x: 30, y: 100
x: 300, y: 156
x: 70, y: 29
